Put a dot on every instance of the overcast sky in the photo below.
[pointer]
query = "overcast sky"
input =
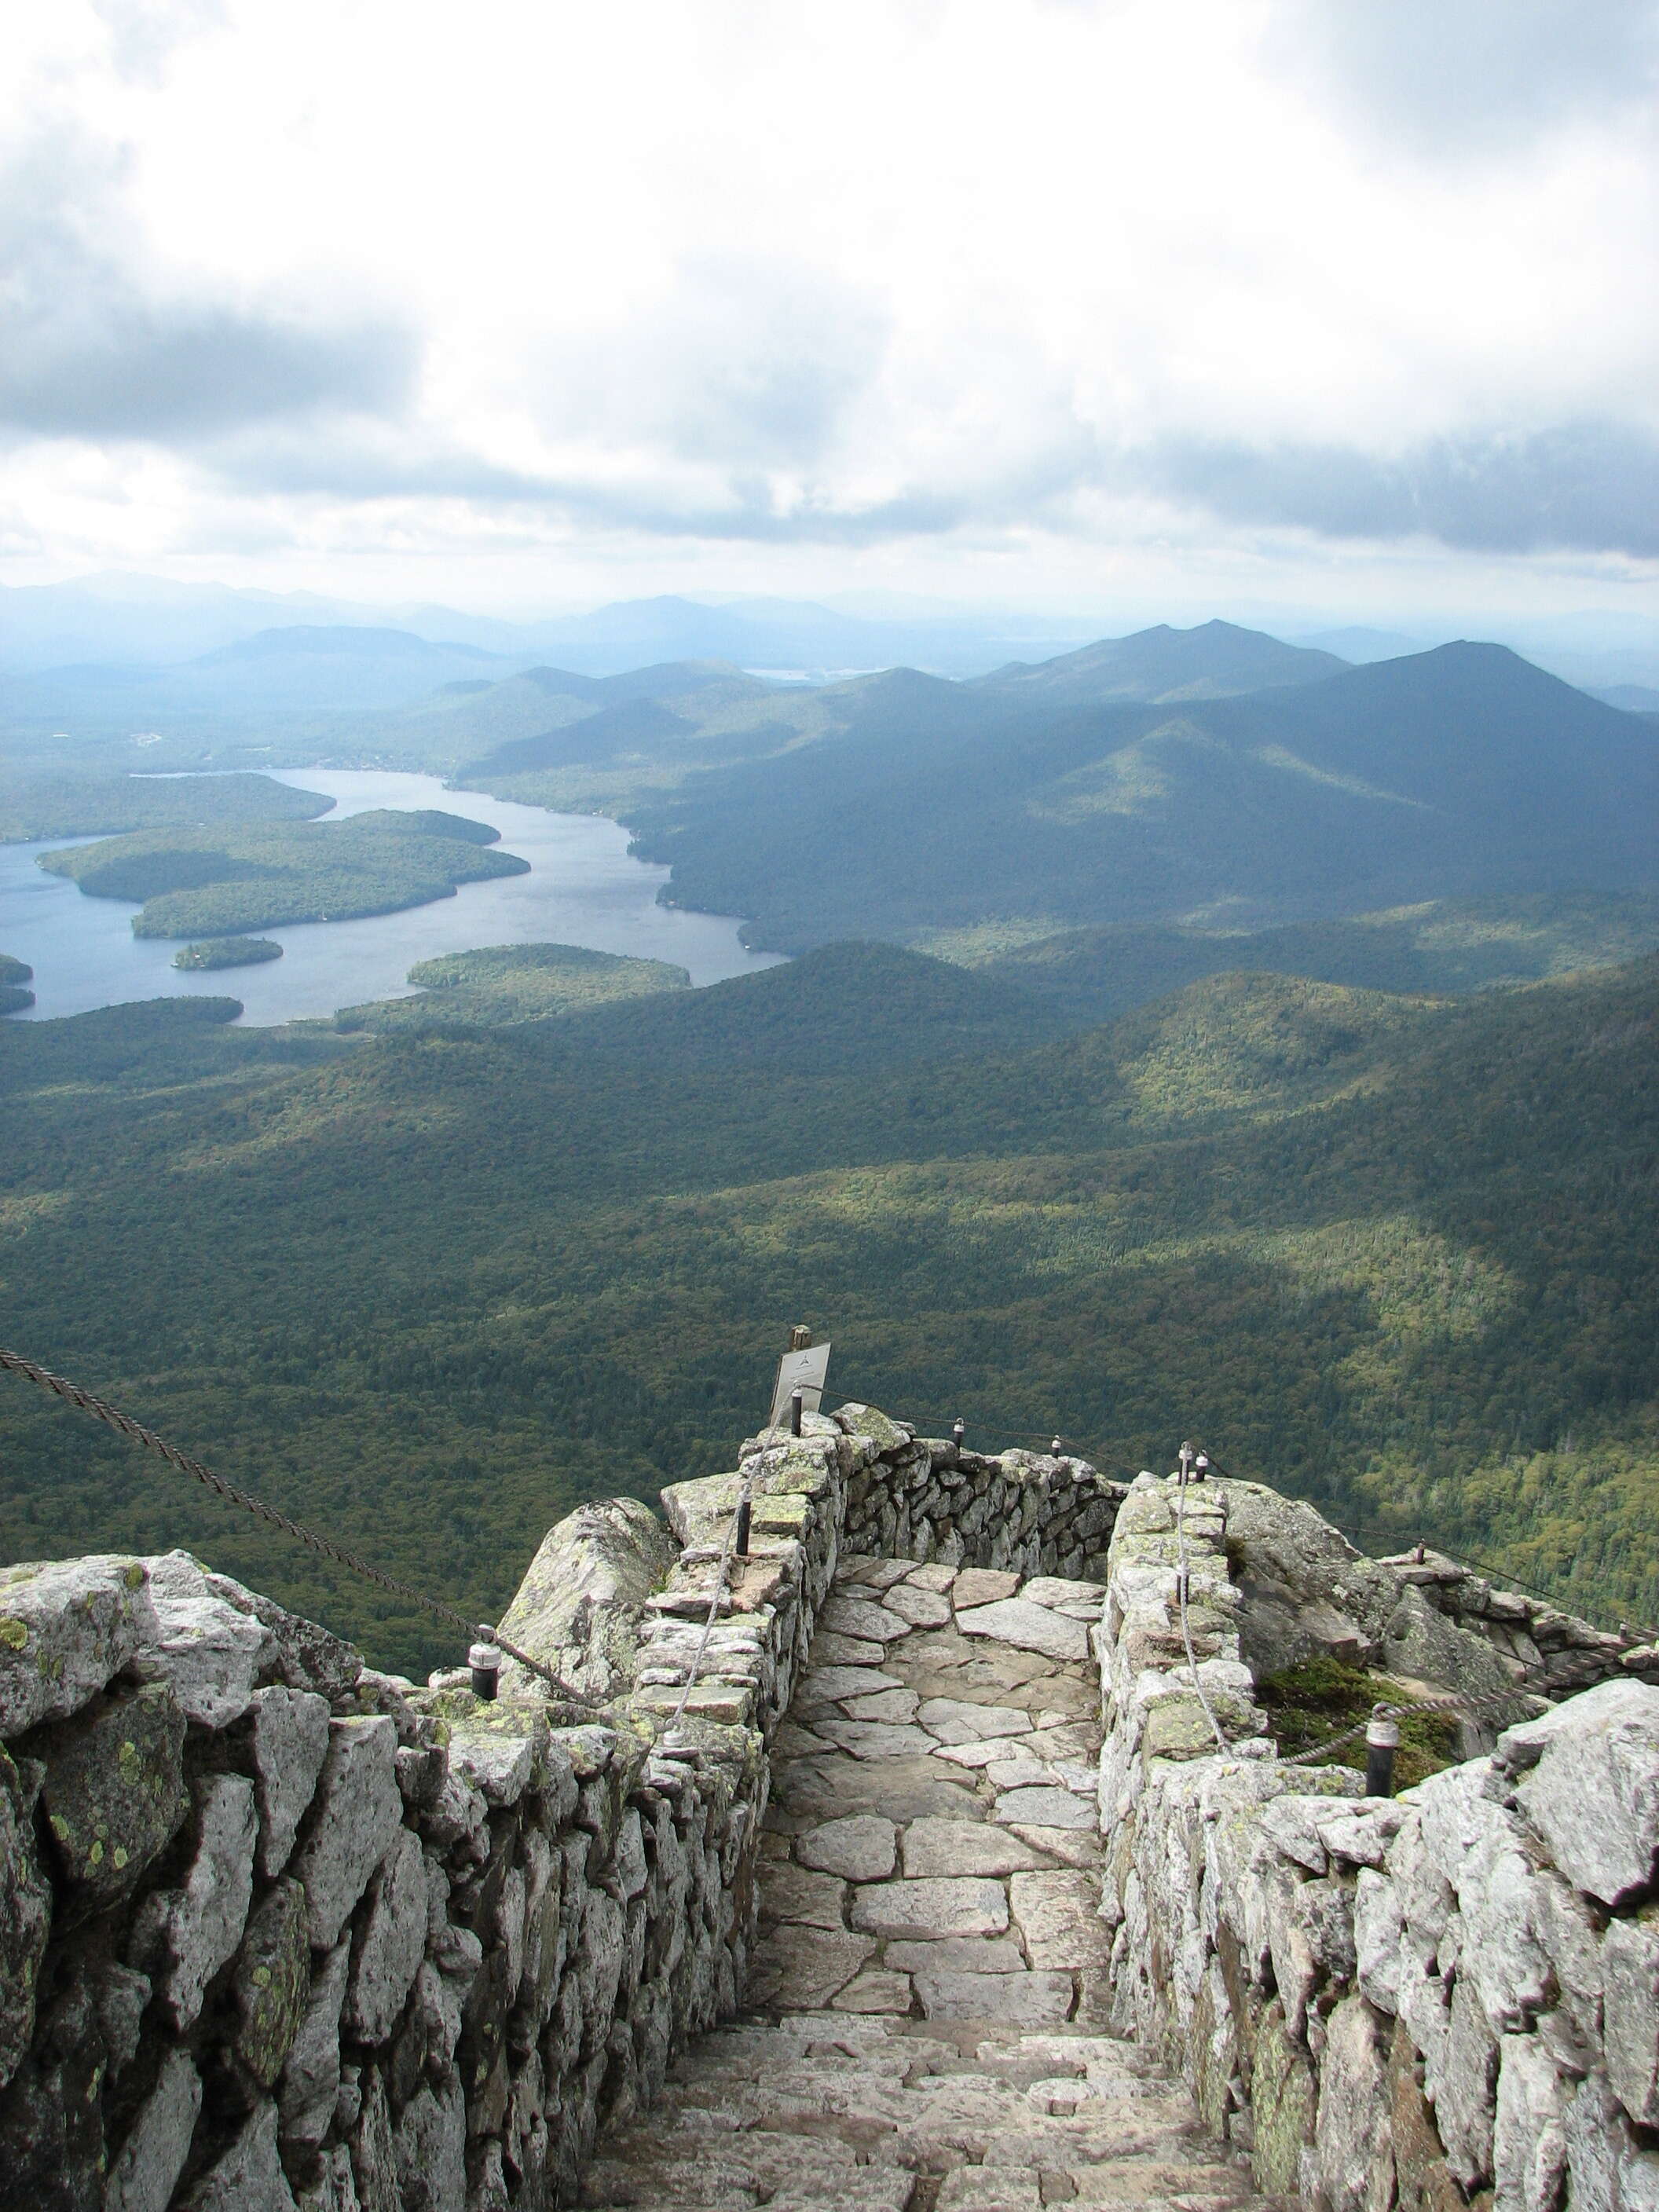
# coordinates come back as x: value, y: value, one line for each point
x: 1348, y: 302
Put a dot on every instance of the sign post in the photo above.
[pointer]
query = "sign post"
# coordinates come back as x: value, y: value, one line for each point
x: 803, y: 1367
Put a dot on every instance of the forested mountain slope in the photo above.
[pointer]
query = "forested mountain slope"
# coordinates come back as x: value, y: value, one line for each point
x: 1397, y: 1252
x: 1453, y: 773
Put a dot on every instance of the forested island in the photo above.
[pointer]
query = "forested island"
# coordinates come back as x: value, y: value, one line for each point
x: 222, y: 880
x: 503, y: 984
x: 226, y: 952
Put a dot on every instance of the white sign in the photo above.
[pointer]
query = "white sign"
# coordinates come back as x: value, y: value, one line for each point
x: 804, y: 1371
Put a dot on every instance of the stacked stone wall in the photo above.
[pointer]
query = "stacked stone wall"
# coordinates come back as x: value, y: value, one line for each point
x: 278, y: 1930
x: 1029, y: 1513
x: 1446, y: 1997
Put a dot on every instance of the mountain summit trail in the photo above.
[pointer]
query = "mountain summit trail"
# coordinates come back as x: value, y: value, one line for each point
x: 925, y: 2031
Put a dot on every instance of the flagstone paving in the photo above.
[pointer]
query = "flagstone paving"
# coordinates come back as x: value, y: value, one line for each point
x: 925, y: 2029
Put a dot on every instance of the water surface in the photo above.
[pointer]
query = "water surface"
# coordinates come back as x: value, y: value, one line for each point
x: 582, y: 889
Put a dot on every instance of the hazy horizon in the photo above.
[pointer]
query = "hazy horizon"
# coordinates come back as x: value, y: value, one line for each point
x: 1298, y: 305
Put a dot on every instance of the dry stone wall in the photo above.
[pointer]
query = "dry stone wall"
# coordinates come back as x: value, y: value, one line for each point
x: 278, y: 1930
x: 1446, y: 1997
x: 1027, y: 1513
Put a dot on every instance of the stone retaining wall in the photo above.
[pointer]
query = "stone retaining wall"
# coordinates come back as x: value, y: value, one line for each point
x: 1029, y: 1513
x: 1410, y: 2001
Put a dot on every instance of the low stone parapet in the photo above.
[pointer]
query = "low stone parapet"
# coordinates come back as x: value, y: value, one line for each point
x: 1407, y: 2001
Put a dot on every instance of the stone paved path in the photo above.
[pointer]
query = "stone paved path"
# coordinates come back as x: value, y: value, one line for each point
x: 924, y: 2033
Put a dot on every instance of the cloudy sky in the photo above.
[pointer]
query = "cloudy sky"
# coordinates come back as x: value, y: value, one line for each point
x: 1343, y: 302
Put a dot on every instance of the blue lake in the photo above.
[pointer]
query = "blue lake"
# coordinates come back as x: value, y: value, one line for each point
x: 582, y: 889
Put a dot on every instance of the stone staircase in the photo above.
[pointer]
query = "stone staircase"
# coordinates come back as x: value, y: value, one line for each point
x: 927, y: 1997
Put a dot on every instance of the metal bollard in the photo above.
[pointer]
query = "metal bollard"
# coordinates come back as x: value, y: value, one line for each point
x: 485, y: 1660
x: 1201, y: 1467
x: 1382, y: 1741
x: 740, y: 1534
x: 958, y: 1432
x: 797, y: 1408
x: 1185, y: 1455
x: 1057, y: 1449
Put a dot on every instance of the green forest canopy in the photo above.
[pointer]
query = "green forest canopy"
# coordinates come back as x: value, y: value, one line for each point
x: 1395, y: 1254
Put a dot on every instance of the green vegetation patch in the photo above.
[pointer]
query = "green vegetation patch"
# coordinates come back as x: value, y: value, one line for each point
x: 78, y: 804
x: 14, y: 998
x: 1308, y: 1705
x: 502, y: 984
x: 226, y: 952
x: 222, y: 882
x: 15, y: 971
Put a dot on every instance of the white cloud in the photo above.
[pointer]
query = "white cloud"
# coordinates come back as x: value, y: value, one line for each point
x: 1005, y: 280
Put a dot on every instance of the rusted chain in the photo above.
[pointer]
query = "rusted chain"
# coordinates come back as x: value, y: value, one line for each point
x: 125, y: 1425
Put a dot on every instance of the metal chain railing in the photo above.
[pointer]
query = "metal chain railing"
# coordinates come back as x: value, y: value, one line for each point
x: 125, y: 1425
x: 737, y: 1532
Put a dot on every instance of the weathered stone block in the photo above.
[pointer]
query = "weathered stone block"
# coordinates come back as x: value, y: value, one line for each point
x: 249, y: 2177
x: 113, y: 1794
x: 272, y: 1983
x: 67, y: 1627
x: 147, y: 2168
x: 390, y: 1940
x: 1594, y: 1794
x: 288, y: 1734
x: 359, y: 1810
x: 182, y: 1937
x: 24, y: 1915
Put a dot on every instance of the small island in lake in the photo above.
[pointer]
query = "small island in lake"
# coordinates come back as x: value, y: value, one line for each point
x: 228, y: 952
x: 13, y: 974
x: 500, y: 985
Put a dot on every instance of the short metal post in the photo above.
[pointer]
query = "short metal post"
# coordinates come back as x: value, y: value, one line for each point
x: 797, y: 1408
x: 1382, y: 1741
x: 740, y: 1534
x: 484, y: 1659
x: 1185, y: 1455
x: 1201, y: 1467
x: 1057, y: 1449
x: 958, y: 1432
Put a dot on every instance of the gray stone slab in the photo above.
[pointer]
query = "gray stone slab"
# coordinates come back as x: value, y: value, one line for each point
x: 827, y: 1686
x: 963, y: 1954
x: 874, y: 1739
x: 983, y: 1586
x: 1058, y: 1915
x: 884, y: 1706
x: 966, y: 1907
x: 360, y: 1810
x: 67, y: 1627
x: 922, y: 1608
x: 1029, y: 1628
x: 390, y: 1938
x: 793, y: 1893
x: 798, y: 1969
x: 147, y: 2167
x: 290, y: 1737
x: 862, y: 1617
x: 863, y: 1847
x: 830, y: 1650
x: 1028, y: 2000
x: 181, y: 1937
x: 956, y: 1720
x: 875, y: 1990
x: 939, y: 1846
x: 1046, y: 1809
